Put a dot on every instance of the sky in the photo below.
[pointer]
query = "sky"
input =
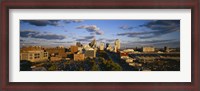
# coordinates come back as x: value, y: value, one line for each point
x: 131, y: 33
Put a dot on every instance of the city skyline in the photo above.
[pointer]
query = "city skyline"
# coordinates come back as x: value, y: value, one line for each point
x: 131, y: 33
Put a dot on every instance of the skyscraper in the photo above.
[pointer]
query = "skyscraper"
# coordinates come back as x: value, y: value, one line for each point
x: 109, y: 47
x: 93, y: 43
x: 166, y: 49
x: 107, y: 44
x: 79, y: 44
x: 101, y: 47
x: 117, y: 45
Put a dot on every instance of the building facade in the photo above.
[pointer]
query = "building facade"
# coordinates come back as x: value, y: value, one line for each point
x: 91, y: 53
x: 34, y: 56
x: 79, y: 57
x: 59, y: 51
x: 101, y: 47
x: 74, y: 49
x: 117, y: 45
x: 148, y: 49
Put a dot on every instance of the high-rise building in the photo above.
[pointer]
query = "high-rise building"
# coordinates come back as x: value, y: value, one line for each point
x: 101, y: 47
x: 117, y: 45
x: 107, y: 44
x: 166, y: 49
x: 86, y: 47
x: 93, y: 44
x: 74, y: 49
x: 91, y: 53
x: 115, y: 49
x: 109, y: 48
x: 79, y: 44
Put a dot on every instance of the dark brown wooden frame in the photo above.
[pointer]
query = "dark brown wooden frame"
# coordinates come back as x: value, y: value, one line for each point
x: 100, y: 4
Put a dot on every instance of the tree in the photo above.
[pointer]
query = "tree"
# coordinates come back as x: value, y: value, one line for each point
x: 95, y: 67
x: 52, y: 68
x: 25, y: 65
x: 80, y: 69
x: 116, y: 67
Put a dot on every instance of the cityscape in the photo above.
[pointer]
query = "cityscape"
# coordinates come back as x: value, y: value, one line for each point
x: 99, y: 45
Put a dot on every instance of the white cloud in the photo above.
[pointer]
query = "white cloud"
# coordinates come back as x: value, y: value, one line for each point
x: 91, y: 28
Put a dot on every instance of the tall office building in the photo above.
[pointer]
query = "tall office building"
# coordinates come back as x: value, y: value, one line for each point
x: 107, y: 44
x: 117, y: 45
x: 79, y: 44
x: 101, y: 47
x: 93, y: 44
x: 166, y: 49
x: 109, y: 47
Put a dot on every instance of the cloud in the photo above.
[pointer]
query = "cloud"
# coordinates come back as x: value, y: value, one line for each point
x: 42, y: 22
x: 31, y: 43
x: 156, y: 28
x: 135, y: 34
x: 86, y: 38
x: 91, y: 28
x: 163, y: 26
x: 59, y: 42
x: 105, y: 40
x: 110, y: 40
x: 101, y: 39
x: 89, y: 37
x: 155, y: 43
x: 73, y: 21
x: 126, y: 27
x: 69, y: 41
x: 39, y: 35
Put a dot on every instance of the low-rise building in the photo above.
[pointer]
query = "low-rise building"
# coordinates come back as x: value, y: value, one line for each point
x: 59, y: 51
x: 129, y: 60
x: 128, y: 50
x: 74, y: 49
x: 124, y: 57
x: 34, y: 56
x: 79, y: 57
x: 148, y: 49
x: 135, y: 64
x: 55, y: 59
x: 91, y: 53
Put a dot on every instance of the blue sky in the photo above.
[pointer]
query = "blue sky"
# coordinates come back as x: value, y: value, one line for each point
x: 131, y: 33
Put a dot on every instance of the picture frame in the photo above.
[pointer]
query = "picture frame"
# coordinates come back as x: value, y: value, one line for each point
x: 118, y: 4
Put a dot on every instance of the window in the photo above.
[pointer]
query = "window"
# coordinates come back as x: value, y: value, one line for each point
x: 37, y: 55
